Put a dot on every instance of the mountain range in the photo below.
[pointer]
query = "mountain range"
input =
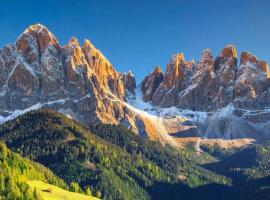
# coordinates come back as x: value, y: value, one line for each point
x: 214, y: 100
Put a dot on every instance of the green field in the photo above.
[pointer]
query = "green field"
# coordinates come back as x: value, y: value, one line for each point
x: 51, y: 192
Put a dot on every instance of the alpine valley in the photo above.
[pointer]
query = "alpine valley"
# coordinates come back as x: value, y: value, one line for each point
x: 200, y: 130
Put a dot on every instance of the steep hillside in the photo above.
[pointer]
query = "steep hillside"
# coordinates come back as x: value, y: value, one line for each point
x: 51, y: 192
x: 131, y: 168
x: 15, y: 172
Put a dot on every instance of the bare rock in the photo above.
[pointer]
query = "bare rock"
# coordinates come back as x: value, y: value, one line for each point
x: 129, y: 81
x: 174, y: 79
x: 151, y: 83
x: 252, y: 84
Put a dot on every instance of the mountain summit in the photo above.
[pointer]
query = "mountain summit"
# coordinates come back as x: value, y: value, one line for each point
x: 213, y: 98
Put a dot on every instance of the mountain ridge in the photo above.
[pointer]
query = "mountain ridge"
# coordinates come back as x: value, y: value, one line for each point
x: 184, y: 104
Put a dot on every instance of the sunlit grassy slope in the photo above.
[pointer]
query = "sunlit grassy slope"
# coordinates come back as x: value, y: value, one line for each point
x: 51, y: 192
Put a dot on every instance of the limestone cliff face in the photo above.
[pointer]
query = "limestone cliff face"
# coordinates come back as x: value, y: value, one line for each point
x: 151, y: 83
x: 212, y: 83
x: 201, y: 85
x: 174, y: 80
x: 129, y: 81
x: 37, y: 72
x: 252, y: 86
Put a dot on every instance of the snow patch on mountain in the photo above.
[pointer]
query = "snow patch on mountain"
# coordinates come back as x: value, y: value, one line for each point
x: 138, y: 103
x: 37, y: 106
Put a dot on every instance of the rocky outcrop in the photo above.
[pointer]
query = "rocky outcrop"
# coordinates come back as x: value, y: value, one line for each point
x: 225, y: 69
x: 212, y: 83
x: 150, y: 83
x: 201, y: 87
x: 129, y: 82
x: 37, y: 70
x: 252, y: 84
x: 174, y: 80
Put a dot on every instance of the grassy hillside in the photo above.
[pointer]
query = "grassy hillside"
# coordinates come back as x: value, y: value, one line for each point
x: 51, y: 192
x: 131, y: 168
x: 15, y: 171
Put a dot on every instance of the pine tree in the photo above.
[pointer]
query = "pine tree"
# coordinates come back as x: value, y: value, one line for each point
x: 3, y: 151
x: 88, y: 191
x: 74, y: 187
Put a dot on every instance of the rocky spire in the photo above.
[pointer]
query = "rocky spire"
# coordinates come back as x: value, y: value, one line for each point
x: 252, y: 83
x: 247, y: 57
x: 129, y: 81
x: 151, y: 83
x: 35, y: 39
x: 176, y: 77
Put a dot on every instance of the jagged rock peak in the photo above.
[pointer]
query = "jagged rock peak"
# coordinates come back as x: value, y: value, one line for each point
x: 129, y: 81
x: 130, y: 73
x: 264, y: 66
x: 151, y: 83
x: 157, y: 70
x: 177, y: 58
x: 247, y: 57
x: 36, y: 32
x: 207, y: 54
x: 73, y: 42
x: 35, y: 28
x: 206, y: 59
x: 88, y: 46
x: 226, y: 61
x: 228, y: 51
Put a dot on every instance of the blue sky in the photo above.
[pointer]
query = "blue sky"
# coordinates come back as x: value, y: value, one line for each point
x: 140, y: 34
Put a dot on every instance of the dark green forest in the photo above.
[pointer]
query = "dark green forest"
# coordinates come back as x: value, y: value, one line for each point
x: 115, y: 163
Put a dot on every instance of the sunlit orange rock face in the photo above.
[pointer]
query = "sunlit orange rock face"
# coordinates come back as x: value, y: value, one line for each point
x: 174, y: 78
x: 263, y: 66
x: 247, y: 58
x: 107, y: 76
x: 35, y: 36
x: 37, y: 69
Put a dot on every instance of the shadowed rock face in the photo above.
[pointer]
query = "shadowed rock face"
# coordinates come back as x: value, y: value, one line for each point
x: 129, y: 81
x: 212, y: 83
x: 251, y: 83
x: 151, y: 83
x: 174, y: 80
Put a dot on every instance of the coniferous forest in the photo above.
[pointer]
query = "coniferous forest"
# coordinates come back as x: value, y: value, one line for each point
x: 113, y: 163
